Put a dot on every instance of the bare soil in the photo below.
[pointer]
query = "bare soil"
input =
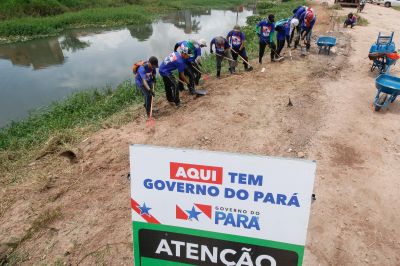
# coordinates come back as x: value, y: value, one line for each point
x: 78, y: 213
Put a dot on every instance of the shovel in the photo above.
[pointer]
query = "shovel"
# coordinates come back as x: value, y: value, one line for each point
x: 150, y: 123
x: 204, y: 74
x: 226, y: 58
x: 250, y: 67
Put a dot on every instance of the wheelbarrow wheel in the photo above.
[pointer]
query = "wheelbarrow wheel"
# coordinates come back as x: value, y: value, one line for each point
x: 381, y: 101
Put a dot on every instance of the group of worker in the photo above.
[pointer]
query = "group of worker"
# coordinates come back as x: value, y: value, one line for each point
x: 186, y: 57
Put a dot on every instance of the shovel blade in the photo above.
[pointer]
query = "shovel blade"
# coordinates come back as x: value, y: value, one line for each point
x: 150, y: 122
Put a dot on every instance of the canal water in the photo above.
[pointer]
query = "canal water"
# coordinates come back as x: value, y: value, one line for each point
x: 35, y: 73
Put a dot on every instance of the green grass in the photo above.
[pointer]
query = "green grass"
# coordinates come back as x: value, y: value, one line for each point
x: 31, y: 26
x: 397, y: 8
x: 40, y: 8
x: 77, y: 110
x: 65, y: 122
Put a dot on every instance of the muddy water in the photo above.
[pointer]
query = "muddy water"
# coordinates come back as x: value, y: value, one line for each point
x: 36, y: 73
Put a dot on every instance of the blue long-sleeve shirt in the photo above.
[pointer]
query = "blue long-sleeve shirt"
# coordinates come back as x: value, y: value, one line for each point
x: 172, y: 62
x: 265, y: 30
x: 308, y: 25
x: 236, y: 39
x: 283, y: 29
x: 220, y: 44
x: 196, y: 50
x: 300, y: 13
x: 145, y: 72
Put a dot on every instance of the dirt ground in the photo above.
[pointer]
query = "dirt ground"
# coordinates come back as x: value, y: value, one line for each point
x: 79, y: 214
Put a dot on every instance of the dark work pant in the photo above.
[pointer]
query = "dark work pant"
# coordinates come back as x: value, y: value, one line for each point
x: 171, y: 89
x: 291, y: 37
x: 242, y: 53
x: 263, y: 44
x: 349, y: 22
x: 281, y: 44
x: 298, y: 33
x: 147, y: 98
x: 307, y: 33
x: 227, y: 54
x: 288, y: 40
x: 188, y: 73
x: 194, y: 67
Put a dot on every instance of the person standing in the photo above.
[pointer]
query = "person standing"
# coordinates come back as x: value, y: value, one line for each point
x: 195, y: 59
x: 299, y: 13
x: 145, y: 78
x: 307, y: 26
x: 237, y: 39
x: 222, y: 51
x: 265, y: 29
x: 175, y: 61
x: 283, y: 34
x: 189, y: 71
x: 294, y: 23
x: 192, y: 70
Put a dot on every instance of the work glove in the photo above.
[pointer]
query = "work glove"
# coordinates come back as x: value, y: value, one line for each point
x: 152, y: 93
x: 211, y: 51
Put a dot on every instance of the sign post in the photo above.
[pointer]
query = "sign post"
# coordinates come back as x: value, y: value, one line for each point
x: 194, y: 207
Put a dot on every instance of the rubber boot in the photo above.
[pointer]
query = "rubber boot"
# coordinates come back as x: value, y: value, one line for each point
x: 296, y: 43
x: 231, y: 70
x: 308, y: 47
x: 192, y: 91
x: 218, y: 73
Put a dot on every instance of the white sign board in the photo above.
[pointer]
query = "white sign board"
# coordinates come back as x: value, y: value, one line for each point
x: 251, y: 196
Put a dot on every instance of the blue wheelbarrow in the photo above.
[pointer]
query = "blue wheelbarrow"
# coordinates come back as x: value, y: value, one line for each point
x: 326, y: 43
x: 388, y: 87
x: 378, y: 53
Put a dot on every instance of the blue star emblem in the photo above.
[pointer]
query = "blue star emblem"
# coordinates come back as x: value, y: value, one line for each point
x: 193, y: 213
x: 144, y: 209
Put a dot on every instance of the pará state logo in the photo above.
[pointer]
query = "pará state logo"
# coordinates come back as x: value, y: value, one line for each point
x: 221, y: 216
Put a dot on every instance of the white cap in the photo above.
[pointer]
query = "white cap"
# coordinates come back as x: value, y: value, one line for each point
x: 202, y: 42
x: 294, y: 22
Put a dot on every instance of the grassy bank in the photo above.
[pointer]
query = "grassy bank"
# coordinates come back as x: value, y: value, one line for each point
x: 67, y: 122
x: 21, y: 21
x: 40, y: 8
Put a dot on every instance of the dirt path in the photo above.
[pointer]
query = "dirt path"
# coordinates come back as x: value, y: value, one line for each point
x: 358, y: 151
x: 79, y: 213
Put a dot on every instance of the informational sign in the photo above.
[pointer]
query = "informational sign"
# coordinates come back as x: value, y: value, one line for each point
x: 193, y: 207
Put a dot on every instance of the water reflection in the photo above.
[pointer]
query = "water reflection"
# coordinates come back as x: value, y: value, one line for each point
x: 188, y: 20
x: 38, y: 54
x: 35, y: 73
x: 72, y: 43
x: 141, y: 33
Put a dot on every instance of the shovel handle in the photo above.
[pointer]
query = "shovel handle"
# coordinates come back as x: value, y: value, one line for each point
x: 225, y: 57
x: 241, y: 57
x: 151, y: 105
x: 198, y: 70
